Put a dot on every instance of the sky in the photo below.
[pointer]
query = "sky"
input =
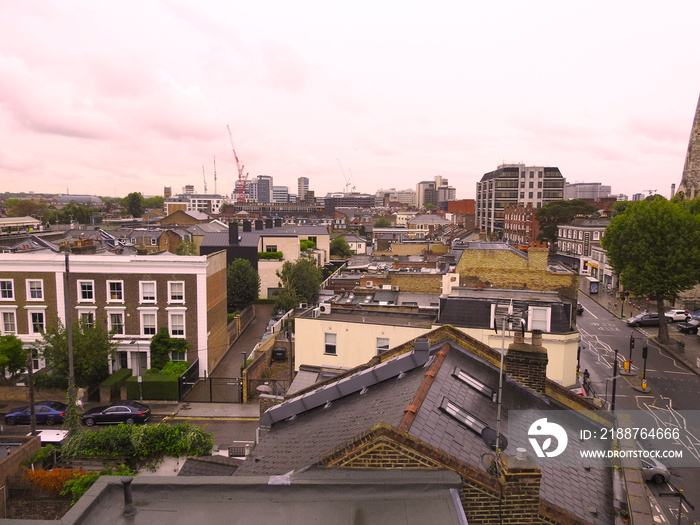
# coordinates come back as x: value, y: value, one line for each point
x: 106, y: 98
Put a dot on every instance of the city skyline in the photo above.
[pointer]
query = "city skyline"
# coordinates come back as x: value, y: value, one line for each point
x: 380, y: 97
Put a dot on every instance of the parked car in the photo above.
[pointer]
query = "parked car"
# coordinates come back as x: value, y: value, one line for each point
x: 128, y: 412
x: 654, y: 470
x: 676, y: 315
x: 644, y: 319
x: 688, y: 327
x: 579, y: 308
x: 47, y: 413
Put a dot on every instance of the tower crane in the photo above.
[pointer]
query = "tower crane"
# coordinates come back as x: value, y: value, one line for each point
x: 241, y: 178
x: 204, y: 176
x: 348, y: 182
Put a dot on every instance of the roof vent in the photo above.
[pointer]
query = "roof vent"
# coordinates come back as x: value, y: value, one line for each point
x: 421, y: 345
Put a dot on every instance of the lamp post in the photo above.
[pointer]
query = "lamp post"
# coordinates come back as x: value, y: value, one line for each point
x: 138, y: 359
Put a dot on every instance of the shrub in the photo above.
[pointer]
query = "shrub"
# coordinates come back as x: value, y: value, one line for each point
x: 175, y: 368
x: 153, y: 386
x: 78, y: 485
x: 52, y: 480
x: 270, y: 255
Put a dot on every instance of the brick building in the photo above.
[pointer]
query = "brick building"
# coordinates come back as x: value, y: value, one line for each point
x: 520, y: 225
x: 433, y: 404
x: 134, y: 296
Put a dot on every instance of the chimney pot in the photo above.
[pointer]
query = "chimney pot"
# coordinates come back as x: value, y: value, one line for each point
x: 537, y: 338
x: 129, y: 510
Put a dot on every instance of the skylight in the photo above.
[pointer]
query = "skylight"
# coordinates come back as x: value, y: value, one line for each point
x: 473, y: 382
x: 469, y: 420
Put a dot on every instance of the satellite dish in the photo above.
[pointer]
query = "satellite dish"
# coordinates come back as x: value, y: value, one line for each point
x: 488, y: 461
x: 488, y: 436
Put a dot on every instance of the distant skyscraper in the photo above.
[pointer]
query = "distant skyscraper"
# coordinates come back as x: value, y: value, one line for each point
x: 586, y: 190
x: 280, y: 194
x: 264, y: 188
x: 690, y: 183
x: 302, y: 187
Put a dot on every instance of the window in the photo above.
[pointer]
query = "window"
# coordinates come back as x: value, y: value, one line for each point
x: 465, y: 418
x: 271, y: 248
x: 9, y: 323
x: 539, y: 184
x: 382, y: 344
x: 87, y: 319
x: 538, y: 318
x: 35, y: 290
x: 115, y: 321
x: 531, y: 185
x: 330, y: 344
x: 176, y: 292
x: 86, y: 291
x: 529, y: 195
x: 178, y: 355
x: 154, y: 241
x: 7, y: 290
x: 539, y: 194
x: 177, y: 324
x: 115, y: 291
x: 36, y: 322
x: 522, y: 194
x: 596, y: 236
x: 148, y: 323
x: 148, y: 291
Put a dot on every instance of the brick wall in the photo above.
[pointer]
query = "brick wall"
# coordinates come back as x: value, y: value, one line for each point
x: 11, y: 464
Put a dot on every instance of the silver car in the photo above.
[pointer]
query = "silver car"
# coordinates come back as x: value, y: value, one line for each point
x: 654, y: 470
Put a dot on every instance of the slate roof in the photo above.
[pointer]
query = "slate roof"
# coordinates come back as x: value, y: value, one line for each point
x: 303, y: 440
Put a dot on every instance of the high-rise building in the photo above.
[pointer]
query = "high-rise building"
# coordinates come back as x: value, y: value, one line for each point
x: 586, y: 190
x: 188, y: 189
x: 264, y: 188
x: 302, y: 187
x: 513, y: 184
x: 280, y: 194
x: 426, y: 193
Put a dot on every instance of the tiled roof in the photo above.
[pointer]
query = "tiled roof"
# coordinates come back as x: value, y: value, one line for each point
x: 301, y: 441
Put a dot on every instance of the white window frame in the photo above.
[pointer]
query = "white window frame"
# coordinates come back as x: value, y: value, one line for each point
x: 28, y: 284
x: 109, y: 292
x: 171, y: 323
x: 80, y: 283
x: 154, y: 241
x: 142, y: 327
x: 8, y: 311
x: 30, y: 312
x: 87, y: 318
x: 330, y: 341
x: 596, y: 236
x: 110, y: 325
x: 11, y: 296
x: 382, y: 345
x: 533, y: 321
x: 141, y: 292
x: 170, y: 292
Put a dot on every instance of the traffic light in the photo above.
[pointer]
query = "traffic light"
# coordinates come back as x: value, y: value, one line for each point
x: 631, y: 342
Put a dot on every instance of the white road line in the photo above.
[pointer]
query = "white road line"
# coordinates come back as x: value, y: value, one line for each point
x: 594, y: 315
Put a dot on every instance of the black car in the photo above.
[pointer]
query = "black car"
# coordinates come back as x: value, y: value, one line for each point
x: 128, y: 412
x: 46, y: 412
x: 579, y: 308
x: 644, y: 319
x: 688, y: 327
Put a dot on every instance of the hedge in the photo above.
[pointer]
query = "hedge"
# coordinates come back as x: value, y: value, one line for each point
x: 155, y: 387
x: 115, y: 381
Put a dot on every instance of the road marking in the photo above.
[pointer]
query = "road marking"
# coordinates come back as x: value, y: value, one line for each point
x: 594, y: 315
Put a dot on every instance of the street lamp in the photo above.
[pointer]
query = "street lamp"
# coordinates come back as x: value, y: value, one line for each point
x: 138, y: 359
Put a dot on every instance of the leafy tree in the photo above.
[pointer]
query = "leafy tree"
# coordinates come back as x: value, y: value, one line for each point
x: 161, y: 347
x: 430, y: 207
x: 554, y: 213
x: 154, y: 202
x: 92, y: 348
x: 340, y: 247
x: 133, y: 204
x: 306, y: 244
x: 23, y: 208
x: 186, y: 248
x: 13, y: 357
x: 242, y: 284
x: 286, y: 300
x: 654, y: 246
x: 303, y: 278
x: 382, y: 222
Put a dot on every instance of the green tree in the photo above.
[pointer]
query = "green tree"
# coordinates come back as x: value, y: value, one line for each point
x: 92, y: 348
x: 654, y: 246
x: 153, y: 203
x: 340, y: 247
x: 303, y: 278
x: 242, y: 284
x: 24, y: 208
x: 430, y: 207
x: 162, y: 345
x: 382, y: 222
x: 186, y: 248
x: 554, y: 213
x: 133, y: 204
x: 13, y: 357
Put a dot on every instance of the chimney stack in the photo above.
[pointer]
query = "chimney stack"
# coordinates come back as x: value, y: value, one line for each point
x: 268, y: 224
x: 233, y: 233
x: 258, y: 224
x: 278, y: 222
x: 247, y: 226
x: 527, y: 363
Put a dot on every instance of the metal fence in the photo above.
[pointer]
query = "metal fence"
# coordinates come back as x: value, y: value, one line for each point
x: 188, y: 380
x: 215, y: 390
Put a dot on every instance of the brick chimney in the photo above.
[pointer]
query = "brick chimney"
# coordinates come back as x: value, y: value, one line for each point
x: 520, y: 480
x: 247, y: 226
x: 527, y: 363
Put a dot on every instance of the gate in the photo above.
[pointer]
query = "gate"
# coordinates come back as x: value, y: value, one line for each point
x: 188, y: 380
x: 215, y: 390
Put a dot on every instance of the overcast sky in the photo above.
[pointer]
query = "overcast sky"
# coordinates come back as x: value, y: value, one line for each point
x: 107, y: 98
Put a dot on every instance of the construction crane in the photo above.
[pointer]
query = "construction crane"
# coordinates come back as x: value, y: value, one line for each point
x: 348, y: 181
x: 204, y: 176
x: 241, y: 178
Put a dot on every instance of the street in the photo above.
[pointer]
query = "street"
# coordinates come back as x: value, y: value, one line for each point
x: 672, y: 388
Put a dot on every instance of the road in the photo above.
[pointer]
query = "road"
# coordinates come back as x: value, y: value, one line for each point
x: 673, y: 388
